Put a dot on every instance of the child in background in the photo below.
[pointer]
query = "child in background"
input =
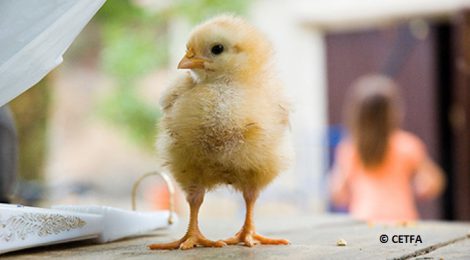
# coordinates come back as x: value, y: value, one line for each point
x: 379, y: 168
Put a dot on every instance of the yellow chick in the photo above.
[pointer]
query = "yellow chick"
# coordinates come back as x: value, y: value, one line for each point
x: 225, y: 122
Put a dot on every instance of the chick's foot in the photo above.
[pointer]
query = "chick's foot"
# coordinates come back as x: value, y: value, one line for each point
x: 187, y: 242
x: 251, y: 238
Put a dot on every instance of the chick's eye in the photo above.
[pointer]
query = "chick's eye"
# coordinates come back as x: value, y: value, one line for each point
x: 217, y: 49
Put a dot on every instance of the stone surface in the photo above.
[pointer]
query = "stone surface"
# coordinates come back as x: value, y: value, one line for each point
x: 458, y: 250
x: 311, y: 237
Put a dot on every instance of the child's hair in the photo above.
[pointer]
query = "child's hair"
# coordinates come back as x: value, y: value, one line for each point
x: 372, y: 114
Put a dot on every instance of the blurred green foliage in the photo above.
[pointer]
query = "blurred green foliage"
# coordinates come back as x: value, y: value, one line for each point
x: 31, y: 110
x: 134, y: 43
x: 129, y: 51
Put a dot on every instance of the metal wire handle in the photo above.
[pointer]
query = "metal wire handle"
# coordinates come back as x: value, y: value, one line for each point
x: 169, y: 185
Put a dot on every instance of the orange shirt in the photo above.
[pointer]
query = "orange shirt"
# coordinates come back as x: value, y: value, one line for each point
x: 384, y: 193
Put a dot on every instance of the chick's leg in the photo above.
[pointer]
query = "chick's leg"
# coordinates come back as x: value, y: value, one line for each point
x: 247, y: 235
x: 193, y: 236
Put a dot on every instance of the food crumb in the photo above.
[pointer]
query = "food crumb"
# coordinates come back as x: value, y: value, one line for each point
x: 341, y: 242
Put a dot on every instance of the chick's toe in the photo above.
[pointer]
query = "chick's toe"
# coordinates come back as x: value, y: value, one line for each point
x: 250, y: 238
x: 187, y: 242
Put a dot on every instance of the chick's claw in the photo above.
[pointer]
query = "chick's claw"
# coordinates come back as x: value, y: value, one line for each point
x: 251, y: 239
x: 188, y: 242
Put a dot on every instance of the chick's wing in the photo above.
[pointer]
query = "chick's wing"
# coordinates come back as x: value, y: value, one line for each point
x: 180, y: 85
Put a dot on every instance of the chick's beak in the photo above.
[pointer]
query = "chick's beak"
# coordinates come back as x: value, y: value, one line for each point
x: 191, y: 62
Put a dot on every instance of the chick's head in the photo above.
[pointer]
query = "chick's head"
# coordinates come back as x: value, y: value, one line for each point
x: 226, y: 48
